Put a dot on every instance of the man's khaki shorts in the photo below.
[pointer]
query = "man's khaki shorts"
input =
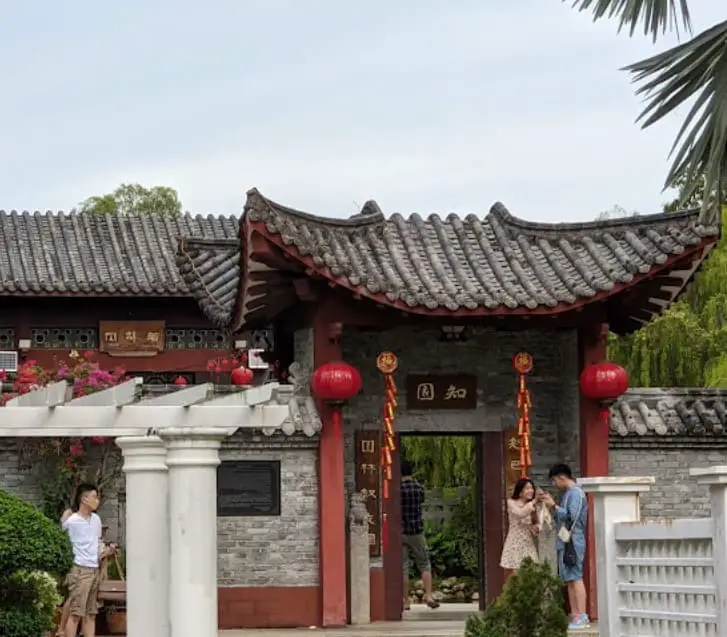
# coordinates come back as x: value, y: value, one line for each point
x: 415, y: 549
x: 83, y: 583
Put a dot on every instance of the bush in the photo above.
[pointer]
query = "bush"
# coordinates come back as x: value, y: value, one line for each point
x: 33, y: 553
x: 530, y: 606
x: 29, y: 541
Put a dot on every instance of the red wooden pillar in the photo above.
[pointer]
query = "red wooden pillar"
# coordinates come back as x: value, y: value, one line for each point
x: 594, y: 445
x: 491, y: 472
x: 393, y: 551
x: 331, y: 488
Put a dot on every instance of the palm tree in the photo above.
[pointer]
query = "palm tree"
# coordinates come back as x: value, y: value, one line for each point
x: 695, y: 70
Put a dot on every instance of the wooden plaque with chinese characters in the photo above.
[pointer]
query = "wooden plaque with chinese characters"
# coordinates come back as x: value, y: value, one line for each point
x: 131, y: 338
x: 441, y: 391
x: 368, y: 482
x: 512, y: 460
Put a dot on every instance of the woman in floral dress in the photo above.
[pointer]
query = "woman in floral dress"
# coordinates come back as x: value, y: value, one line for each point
x: 523, y: 527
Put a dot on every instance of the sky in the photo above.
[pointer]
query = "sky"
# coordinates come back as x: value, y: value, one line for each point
x: 428, y: 106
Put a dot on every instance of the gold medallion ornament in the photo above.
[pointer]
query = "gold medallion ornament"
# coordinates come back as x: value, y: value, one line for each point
x: 523, y: 364
x: 387, y: 362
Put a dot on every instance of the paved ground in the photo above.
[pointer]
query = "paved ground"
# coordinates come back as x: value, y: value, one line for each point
x: 446, y: 621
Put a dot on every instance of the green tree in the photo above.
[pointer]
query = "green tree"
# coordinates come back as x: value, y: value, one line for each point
x: 134, y: 198
x: 441, y: 461
x: 692, y: 72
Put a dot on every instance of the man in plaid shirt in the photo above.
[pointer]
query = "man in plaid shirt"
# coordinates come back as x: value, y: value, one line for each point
x: 412, y: 529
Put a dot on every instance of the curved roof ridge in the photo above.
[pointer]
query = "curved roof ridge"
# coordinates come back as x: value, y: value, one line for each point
x: 500, y: 211
x: 114, y: 215
x: 370, y: 214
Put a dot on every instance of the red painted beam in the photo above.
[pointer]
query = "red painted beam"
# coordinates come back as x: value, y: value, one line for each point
x: 594, y: 447
x: 173, y: 360
x: 331, y: 491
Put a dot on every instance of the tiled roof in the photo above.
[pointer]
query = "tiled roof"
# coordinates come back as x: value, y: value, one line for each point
x: 670, y: 412
x: 79, y: 254
x: 211, y: 270
x: 468, y: 263
x: 494, y: 266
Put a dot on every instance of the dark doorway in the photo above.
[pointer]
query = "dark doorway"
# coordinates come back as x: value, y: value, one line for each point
x: 463, y: 522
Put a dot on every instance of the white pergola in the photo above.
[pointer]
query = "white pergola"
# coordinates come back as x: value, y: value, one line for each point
x: 170, y: 445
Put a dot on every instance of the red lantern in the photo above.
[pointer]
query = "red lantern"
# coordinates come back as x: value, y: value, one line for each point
x: 335, y: 383
x: 180, y: 381
x: 241, y: 376
x: 604, y: 383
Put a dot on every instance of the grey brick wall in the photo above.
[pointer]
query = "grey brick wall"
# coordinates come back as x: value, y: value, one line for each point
x: 487, y: 353
x: 274, y: 551
x: 675, y: 494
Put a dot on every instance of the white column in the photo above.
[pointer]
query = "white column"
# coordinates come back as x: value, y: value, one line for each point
x: 192, y: 458
x: 147, y: 536
x: 716, y: 478
x: 614, y: 500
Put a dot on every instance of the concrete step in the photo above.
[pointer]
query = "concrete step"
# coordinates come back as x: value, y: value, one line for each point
x: 428, y: 628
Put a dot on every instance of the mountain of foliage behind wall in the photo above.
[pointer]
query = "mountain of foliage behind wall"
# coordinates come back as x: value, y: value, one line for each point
x: 687, y: 345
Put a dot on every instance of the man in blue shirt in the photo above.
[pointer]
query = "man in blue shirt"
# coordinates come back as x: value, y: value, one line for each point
x: 571, y: 517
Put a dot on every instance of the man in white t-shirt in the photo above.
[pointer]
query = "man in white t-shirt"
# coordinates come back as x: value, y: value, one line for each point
x: 84, y: 529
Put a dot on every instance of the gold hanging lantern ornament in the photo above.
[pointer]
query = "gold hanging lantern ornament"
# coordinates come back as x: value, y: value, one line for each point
x: 523, y: 364
x: 387, y: 364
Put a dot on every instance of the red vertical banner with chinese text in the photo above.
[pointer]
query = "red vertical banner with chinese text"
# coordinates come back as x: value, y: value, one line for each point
x: 368, y: 482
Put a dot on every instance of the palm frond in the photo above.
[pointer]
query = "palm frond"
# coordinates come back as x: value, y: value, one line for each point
x: 694, y: 70
x: 657, y: 16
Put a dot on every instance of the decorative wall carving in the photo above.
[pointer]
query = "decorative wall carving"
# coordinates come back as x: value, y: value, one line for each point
x: 192, y: 338
x: 7, y: 338
x: 64, y: 337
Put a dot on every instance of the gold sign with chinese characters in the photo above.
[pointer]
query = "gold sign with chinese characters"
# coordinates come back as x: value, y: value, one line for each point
x: 368, y: 479
x: 131, y: 338
x: 441, y: 391
x: 513, y: 468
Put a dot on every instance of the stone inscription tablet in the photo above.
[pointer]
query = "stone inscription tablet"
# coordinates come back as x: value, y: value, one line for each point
x: 247, y: 488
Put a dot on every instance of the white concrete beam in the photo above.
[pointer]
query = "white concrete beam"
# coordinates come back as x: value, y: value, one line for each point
x: 116, y: 396
x: 48, y: 396
x: 183, y: 397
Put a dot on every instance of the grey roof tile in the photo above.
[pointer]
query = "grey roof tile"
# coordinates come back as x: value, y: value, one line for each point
x: 211, y: 270
x: 670, y: 412
x: 77, y: 254
x: 469, y: 263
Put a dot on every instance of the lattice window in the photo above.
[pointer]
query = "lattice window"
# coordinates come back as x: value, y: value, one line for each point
x: 163, y: 378
x: 197, y: 339
x: 7, y: 338
x: 64, y: 337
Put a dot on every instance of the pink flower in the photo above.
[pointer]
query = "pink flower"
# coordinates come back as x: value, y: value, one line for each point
x: 88, y: 354
x: 3, y: 375
x: 98, y: 440
x: 63, y: 372
x: 76, y: 450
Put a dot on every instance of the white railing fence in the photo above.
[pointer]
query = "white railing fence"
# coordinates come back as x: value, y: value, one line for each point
x: 660, y: 578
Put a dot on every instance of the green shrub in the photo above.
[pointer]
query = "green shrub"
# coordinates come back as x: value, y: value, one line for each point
x: 18, y: 622
x: 29, y: 541
x: 33, y: 552
x: 531, y: 605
